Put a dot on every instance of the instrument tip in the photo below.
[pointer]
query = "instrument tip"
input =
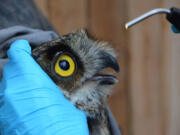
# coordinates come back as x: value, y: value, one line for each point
x: 126, y: 26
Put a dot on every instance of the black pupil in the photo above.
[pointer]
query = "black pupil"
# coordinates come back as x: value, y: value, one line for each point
x: 64, y: 64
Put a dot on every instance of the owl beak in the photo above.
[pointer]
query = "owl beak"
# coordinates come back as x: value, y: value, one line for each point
x: 109, y: 62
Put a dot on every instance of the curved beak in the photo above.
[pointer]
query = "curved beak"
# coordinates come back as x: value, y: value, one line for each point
x: 108, y: 61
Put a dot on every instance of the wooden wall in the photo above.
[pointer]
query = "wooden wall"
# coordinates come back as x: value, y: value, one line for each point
x: 146, y: 100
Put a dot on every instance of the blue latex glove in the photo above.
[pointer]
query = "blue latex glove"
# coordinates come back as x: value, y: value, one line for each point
x: 31, y: 103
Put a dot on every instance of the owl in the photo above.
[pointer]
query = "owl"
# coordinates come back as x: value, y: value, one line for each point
x: 77, y: 64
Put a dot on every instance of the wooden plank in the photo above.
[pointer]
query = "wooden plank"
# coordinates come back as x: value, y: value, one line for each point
x: 150, y: 71
x: 175, y: 91
x: 174, y: 41
x: 67, y: 15
x: 106, y: 21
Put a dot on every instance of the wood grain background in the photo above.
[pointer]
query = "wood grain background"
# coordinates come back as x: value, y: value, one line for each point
x: 146, y: 100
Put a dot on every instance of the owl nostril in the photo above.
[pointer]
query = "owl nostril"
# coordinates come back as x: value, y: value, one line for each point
x: 64, y: 64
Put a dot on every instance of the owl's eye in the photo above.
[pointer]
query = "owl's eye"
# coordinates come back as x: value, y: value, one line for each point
x: 65, y: 66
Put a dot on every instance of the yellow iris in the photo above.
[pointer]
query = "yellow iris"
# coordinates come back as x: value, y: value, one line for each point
x: 68, y: 64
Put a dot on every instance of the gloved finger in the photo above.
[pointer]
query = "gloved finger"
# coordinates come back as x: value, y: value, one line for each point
x: 20, y: 58
x: 18, y: 50
x: 21, y: 64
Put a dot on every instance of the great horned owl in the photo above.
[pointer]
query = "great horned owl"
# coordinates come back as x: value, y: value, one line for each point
x: 75, y: 63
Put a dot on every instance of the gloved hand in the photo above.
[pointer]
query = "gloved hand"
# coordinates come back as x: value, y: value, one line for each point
x: 31, y: 103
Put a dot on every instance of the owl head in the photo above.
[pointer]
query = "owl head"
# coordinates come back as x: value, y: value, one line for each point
x: 75, y: 62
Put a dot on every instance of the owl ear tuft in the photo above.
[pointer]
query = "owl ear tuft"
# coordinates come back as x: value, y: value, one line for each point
x: 82, y: 32
x: 85, y: 33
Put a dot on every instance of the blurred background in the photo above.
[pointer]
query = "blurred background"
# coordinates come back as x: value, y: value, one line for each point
x: 146, y: 100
